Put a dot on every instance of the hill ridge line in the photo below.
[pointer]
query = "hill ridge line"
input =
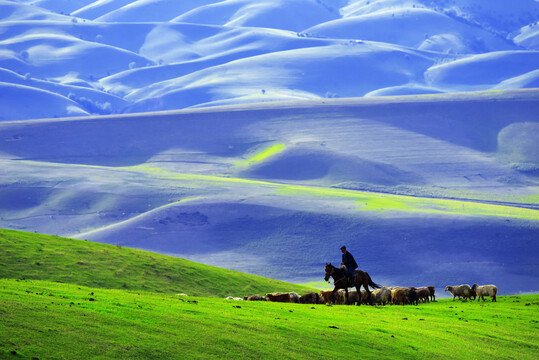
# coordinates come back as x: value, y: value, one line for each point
x: 513, y: 95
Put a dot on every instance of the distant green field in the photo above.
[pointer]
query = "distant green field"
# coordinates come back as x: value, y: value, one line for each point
x: 73, y: 299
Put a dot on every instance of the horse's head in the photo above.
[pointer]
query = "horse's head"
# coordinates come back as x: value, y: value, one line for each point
x: 329, y: 271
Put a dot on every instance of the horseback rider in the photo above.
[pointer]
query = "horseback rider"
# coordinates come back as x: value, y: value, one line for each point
x: 350, y: 263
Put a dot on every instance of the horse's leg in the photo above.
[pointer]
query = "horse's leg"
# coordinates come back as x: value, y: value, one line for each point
x: 346, y: 292
x: 333, y: 295
x: 366, y: 286
x: 358, y: 289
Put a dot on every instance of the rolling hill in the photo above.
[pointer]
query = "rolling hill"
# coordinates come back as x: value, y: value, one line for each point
x: 130, y: 56
x: 28, y: 256
x: 433, y: 189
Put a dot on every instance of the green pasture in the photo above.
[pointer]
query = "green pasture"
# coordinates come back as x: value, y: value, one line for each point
x: 46, y: 320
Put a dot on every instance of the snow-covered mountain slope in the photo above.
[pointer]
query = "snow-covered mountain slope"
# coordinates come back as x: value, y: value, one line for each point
x: 276, y: 188
x: 166, y: 54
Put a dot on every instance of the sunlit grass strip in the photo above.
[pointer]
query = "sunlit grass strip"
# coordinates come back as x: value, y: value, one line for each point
x: 370, y: 201
x: 262, y: 155
x: 365, y: 201
x: 530, y: 199
x: 387, y: 202
x: 167, y: 174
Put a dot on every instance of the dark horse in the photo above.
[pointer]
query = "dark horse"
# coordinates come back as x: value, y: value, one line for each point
x: 340, y: 280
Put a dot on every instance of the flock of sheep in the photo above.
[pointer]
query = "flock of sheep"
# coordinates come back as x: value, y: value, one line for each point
x: 466, y: 292
x: 384, y: 295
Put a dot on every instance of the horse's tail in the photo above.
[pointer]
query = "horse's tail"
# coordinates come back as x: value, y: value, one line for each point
x: 372, y: 284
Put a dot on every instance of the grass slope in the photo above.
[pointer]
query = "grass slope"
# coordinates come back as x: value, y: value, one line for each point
x: 62, y: 321
x: 52, y: 258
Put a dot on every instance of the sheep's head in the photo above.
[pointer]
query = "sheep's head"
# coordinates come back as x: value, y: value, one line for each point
x: 448, y: 288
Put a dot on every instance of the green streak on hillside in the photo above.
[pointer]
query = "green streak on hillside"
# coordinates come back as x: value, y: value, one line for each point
x: 366, y: 201
x: 62, y: 321
x: 53, y: 258
x: 195, y: 178
x: 262, y: 155
x: 388, y: 202
x: 530, y: 199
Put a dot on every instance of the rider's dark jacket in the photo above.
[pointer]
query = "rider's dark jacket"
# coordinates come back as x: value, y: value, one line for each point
x: 349, y: 261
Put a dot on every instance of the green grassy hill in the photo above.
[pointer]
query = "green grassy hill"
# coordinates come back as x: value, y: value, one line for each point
x: 52, y: 258
x: 72, y: 299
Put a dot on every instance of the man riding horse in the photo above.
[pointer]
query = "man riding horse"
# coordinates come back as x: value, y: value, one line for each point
x: 350, y: 263
x: 343, y: 278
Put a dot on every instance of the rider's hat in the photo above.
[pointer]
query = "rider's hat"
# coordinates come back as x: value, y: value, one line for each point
x: 343, y: 247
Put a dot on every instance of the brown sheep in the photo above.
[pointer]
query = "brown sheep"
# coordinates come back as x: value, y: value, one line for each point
x: 399, y: 296
x: 485, y: 290
x: 278, y: 297
x: 432, y: 290
x: 364, y: 298
x: 413, y: 299
x: 327, y: 296
x: 354, y: 298
x: 423, y: 294
x: 310, y: 298
x: 254, y: 298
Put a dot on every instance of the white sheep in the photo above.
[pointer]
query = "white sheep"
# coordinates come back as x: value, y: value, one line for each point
x: 463, y: 290
x: 381, y: 296
x: 485, y: 290
x: 294, y: 297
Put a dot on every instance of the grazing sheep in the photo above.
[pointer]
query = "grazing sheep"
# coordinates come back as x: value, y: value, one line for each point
x: 341, y: 297
x: 294, y: 297
x: 373, y: 296
x: 254, y: 298
x: 463, y: 291
x: 366, y: 297
x: 354, y: 298
x: 278, y: 297
x: 485, y: 290
x: 473, y: 294
x: 233, y: 298
x: 399, y: 296
x: 327, y: 296
x: 381, y: 296
x: 310, y: 298
x: 432, y: 290
x: 423, y: 294
x: 413, y: 299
